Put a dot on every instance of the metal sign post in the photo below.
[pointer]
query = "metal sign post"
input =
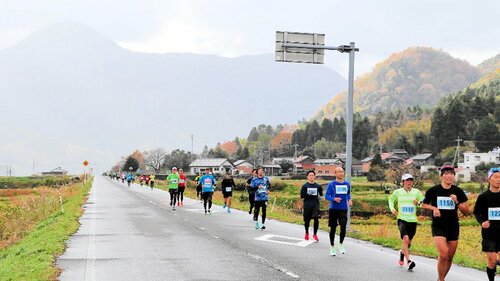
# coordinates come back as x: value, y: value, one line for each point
x: 309, y: 48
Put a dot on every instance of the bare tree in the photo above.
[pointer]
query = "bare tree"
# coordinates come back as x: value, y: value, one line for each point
x: 155, y: 159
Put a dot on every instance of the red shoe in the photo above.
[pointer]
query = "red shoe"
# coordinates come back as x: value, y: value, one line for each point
x: 306, y: 236
x: 182, y: 204
x: 315, y: 237
x: 178, y: 203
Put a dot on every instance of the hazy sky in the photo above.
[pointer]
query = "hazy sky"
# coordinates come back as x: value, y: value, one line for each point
x: 466, y: 29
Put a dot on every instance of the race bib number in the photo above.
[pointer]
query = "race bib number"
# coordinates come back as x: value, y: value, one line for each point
x: 493, y: 214
x: 262, y: 190
x: 445, y: 203
x: 341, y: 189
x: 181, y: 181
x: 312, y: 191
x: 207, y: 183
x: 407, y: 209
x: 173, y: 181
x: 228, y: 189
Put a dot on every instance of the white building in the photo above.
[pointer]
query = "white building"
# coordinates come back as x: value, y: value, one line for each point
x: 472, y: 159
x: 216, y: 165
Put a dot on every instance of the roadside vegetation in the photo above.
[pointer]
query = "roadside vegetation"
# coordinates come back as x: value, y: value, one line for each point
x: 371, y: 220
x: 34, y: 226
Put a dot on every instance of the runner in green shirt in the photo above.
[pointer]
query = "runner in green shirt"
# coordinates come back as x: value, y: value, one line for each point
x: 408, y: 199
x: 173, y: 186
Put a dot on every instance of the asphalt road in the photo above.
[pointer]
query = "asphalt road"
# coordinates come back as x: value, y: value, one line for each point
x: 133, y: 234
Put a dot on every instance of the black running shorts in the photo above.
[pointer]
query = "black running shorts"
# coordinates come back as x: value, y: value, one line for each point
x: 407, y: 228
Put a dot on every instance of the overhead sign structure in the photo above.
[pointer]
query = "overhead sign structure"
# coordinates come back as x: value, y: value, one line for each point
x: 299, y: 54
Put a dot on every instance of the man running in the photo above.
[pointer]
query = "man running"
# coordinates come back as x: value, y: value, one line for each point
x: 311, y: 192
x: 227, y: 186
x: 152, y: 181
x: 260, y: 186
x: 198, y: 186
x: 251, y: 191
x: 487, y: 213
x: 173, y: 186
x: 338, y: 193
x: 408, y: 199
x: 207, y: 182
x: 182, y: 187
x: 444, y: 200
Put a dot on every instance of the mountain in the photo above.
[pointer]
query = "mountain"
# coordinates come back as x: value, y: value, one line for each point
x: 68, y: 93
x: 415, y: 76
x: 490, y: 65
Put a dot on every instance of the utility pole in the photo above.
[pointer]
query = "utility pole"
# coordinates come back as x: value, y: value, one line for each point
x: 295, y: 159
x: 457, y: 151
x: 192, y: 145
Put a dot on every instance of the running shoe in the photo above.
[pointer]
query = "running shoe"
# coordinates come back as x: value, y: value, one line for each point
x: 262, y: 227
x: 178, y: 203
x: 254, y: 218
x: 332, y: 251
x: 210, y: 212
x: 250, y: 212
x: 315, y: 237
x: 341, y: 249
x: 182, y: 204
x: 224, y: 206
x: 257, y: 225
x: 411, y: 265
x: 401, y: 258
x: 306, y: 237
x: 228, y: 210
x: 205, y: 212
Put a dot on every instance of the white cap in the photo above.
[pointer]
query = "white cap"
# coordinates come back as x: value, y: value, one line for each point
x: 174, y: 168
x: 406, y: 176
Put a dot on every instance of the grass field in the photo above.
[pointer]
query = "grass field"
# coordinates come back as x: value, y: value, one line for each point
x: 376, y: 225
x: 34, y: 228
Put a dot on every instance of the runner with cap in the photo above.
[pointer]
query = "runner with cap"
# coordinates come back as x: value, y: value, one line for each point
x: 173, y: 186
x: 207, y: 182
x: 338, y: 193
x: 487, y: 213
x: 444, y: 200
x: 182, y: 187
x: 407, y: 198
x: 227, y: 186
x: 260, y: 185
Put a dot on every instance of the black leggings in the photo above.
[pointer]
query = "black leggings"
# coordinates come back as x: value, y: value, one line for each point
x: 207, y: 197
x: 259, y: 204
x: 251, y: 198
x: 315, y: 225
x: 333, y: 229
x: 180, y: 194
x: 173, y: 196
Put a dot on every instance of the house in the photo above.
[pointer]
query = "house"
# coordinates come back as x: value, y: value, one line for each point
x: 472, y: 159
x: 423, y: 159
x: 243, y: 167
x: 463, y: 174
x: 327, y: 166
x: 326, y: 170
x: 56, y: 172
x: 302, y: 163
x: 401, y: 153
x: 271, y: 169
x: 216, y: 165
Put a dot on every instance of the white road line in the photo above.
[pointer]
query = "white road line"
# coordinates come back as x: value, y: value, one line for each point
x: 275, y: 266
x: 293, y: 241
x: 153, y: 203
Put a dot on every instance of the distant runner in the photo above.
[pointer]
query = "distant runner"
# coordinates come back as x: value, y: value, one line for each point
x: 198, y: 186
x: 260, y: 185
x: 339, y: 195
x: 251, y: 192
x: 487, y: 213
x: 444, y: 200
x: 152, y: 181
x: 227, y: 186
x: 311, y: 192
x: 182, y: 187
x: 408, y: 199
x: 207, y: 190
x: 173, y: 186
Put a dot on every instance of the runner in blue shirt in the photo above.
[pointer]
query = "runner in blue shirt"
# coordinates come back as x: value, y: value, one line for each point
x: 338, y: 193
x: 207, y: 182
x: 260, y: 185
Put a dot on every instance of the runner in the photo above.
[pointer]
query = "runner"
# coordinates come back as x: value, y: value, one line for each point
x: 198, y: 186
x: 182, y: 187
x: 260, y: 185
x: 408, y: 199
x: 227, y: 187
x: 251, y: 192
x: 339, y: 195
x: 487, y: 213
x: 152, y: 181
x: 173, y: 186
x: 444, y: 200
x: 207, y: 182
x: 311, y: 192
x: 130, y: 179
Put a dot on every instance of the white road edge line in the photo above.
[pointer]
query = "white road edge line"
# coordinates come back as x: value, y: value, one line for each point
x: 275, y: 266
x: 90, y: 260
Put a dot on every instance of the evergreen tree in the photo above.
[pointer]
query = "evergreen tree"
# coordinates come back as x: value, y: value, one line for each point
x: 437, y: 130
x: 487, y: 135
x: 254, y: 135
x: 131, y: 162
x: 327, y: 129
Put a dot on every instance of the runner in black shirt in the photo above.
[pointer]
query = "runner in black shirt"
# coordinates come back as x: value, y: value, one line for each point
x: 487, y: 213
x: 444, y: 200
x: 227, y: 186
x: 251, y: 192
x: 311, y: 192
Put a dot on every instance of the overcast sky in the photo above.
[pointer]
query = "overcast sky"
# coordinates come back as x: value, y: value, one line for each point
x: 466, y: 29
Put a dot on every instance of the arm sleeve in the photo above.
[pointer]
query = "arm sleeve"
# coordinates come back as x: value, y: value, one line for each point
x: 349, y: 192
x: 392, y: 199
x: 428, y: 196
x: 478, y: 210
x: 461, y: 197
x: 303, y: 192
x: 329, y: 192
x: 320, y: 190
